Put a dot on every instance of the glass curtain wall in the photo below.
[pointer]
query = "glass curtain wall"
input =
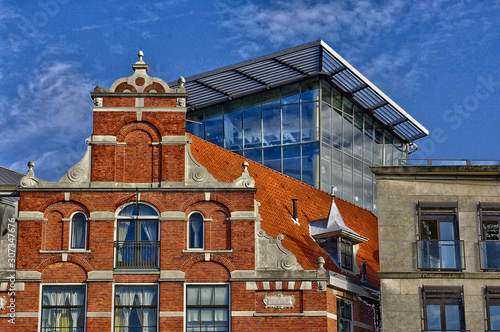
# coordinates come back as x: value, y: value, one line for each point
x: 307, y: 130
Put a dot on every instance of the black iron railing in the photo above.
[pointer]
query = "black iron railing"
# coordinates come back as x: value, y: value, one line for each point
x: 137, y: 254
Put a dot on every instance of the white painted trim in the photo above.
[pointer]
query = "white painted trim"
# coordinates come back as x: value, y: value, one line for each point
x: 26, y: 315
x: 242, y: 313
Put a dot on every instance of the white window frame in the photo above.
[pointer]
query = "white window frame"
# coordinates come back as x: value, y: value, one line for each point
x: 71, y: 232
x: 61, y: 284
x: 136, y: 284
x: 117, y: 225
x: 189, y: 233
x: 208, y: 284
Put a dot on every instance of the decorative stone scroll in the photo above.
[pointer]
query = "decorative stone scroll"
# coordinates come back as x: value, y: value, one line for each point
x: 196, y: 172
x: 30, y: 180
x: 279, y: 301
x: 3, y: 302
x: 245, y: 180
x: 271, y: 255
x: 80, y: 172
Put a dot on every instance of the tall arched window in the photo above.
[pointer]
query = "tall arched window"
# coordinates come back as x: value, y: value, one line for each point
x: 196, y: 231
x: 78, y: 231
x: 137, y: 245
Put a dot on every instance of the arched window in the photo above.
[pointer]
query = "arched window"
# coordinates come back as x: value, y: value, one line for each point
x: 196, y: 231
x: 137, y: 237
x: 78, y: 231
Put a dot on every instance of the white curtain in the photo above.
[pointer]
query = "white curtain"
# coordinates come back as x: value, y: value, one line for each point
x: 64, y: 299
x: 196, y: 231
x: 78, y: 236
x: 122, y: 315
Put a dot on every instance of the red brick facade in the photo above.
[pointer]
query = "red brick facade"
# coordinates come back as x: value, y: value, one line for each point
x: 141, y: 154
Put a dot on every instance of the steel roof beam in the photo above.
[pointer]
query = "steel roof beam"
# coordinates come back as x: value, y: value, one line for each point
x: 284, y: 63
x: 241, y: 72
x: 213, y: 88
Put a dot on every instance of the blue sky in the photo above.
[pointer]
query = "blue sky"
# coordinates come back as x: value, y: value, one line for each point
x: 437, y: 59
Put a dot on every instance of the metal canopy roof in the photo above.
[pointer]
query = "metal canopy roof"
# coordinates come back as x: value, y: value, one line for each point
x: 293, y: 64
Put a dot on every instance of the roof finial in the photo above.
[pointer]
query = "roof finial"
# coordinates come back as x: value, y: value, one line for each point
x: 140, y: 55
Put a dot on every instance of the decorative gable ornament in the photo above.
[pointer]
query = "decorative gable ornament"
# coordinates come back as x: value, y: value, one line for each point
x: 30, y: 180
x: 245, y: 180
x: 271, y: 255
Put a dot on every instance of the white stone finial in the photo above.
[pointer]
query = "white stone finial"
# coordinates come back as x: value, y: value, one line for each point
x: 30, y: 166
x: 181, y: 81
x: 140, y: 55
x: 245, y: 166
x: 321, y: 262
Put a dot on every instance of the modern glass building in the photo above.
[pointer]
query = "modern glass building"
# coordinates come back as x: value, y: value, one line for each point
x: 305, y: 112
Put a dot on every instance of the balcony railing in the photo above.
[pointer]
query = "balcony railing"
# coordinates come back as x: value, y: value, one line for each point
x: 137, y: 254
x: 440, y: 255
x: 490, y: 255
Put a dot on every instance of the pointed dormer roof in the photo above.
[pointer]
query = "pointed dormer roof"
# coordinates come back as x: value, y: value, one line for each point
x: 334, y: 226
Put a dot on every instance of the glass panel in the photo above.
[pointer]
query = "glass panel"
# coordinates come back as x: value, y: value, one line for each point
x: 149, y: 231
x: 337, y: 172
x: 271, y: 97
x: 291, y: 161
x: 348, y: 128
x: 271, y: 126
x: 78, y: 231
x: 337, y: 98
x: 255, y: 155
x: 447, y: 230
x: 337, y: 128
x: 433, y: 317
x: 193, y: 295
x: 347, y: 178
x: 272, y: 158
x: 291, y: 123
x: 387, y: 148
x: 290, y: 93
x: 326, y: 168
x: 310, y: 90
x: 252, y: 129
x: 221, y: 295
x: 214, y: 131
x: 326, y: 92
x: 397, y: 151
x: 434, y: 254
x: 196, y: 231
x: 195, y: 124
x: 126, y: 231
x: 452, y: 316
x: 494, y: 317
x: 310, y: 164
x: 358, y: 132
x: 310, y: 122
x: 207, y: 295
x: 368, y: 140
x: 357, y: 181
x: 367, y: 187
x: 233, y: 130
x: 378, y: 148
x: 144, y: 211
x: 490, y: 255
x: 251, y: 101
x: 326, y: 124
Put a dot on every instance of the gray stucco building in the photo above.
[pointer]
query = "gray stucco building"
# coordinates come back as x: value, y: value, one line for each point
x: 439, y: 247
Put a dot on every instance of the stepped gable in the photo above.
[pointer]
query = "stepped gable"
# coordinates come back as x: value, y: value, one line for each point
x: 275, y: 192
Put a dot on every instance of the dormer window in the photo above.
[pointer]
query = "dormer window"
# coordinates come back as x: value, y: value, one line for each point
x: 338, y: 240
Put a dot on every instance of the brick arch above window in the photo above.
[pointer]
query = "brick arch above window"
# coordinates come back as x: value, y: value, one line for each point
x: 126, y: 128
x: 198, y: 201
x: 58, y: 271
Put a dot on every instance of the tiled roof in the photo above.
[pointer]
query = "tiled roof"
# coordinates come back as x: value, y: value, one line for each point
x: 275, y: 192
x: 8, y: 176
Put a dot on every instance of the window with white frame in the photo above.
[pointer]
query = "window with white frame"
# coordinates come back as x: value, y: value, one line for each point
x: 137, y: 245
x: 78, y: 231
x: 63, y: 308
x: 344, y: 315
x: 207, y: 308
x: 136, y: 308
x: 196, y: 229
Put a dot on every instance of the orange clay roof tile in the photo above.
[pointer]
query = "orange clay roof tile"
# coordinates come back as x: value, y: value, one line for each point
x: 275, y: 192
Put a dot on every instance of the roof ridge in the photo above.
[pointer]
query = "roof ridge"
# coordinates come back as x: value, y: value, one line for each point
x: 11, y: 170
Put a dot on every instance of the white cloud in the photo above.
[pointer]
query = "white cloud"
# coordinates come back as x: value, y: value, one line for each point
x: 49, y: 118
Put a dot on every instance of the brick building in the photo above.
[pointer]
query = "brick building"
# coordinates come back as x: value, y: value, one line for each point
x: 158, y: 230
